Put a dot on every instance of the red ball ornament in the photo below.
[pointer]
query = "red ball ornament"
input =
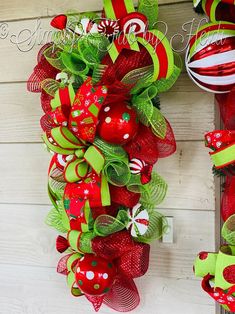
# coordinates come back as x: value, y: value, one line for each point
x: 118, y: 123
x: 94, y: 275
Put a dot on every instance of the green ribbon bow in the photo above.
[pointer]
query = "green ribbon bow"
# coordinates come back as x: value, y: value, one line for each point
x: 62, y: 141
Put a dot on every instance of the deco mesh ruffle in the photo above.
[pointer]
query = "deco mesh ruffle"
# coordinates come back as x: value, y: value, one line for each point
x: 100, y: 81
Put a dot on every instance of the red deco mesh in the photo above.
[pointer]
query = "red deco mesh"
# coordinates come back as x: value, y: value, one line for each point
x: 111, y: 210
x: 132, y: 258
x: 46, y: 101
x: 62, y: 265
x: 113, y: 246
x: 228, y: 199
x: 127, y: 61
x: 124, y: 296
x: 121, y: 196
x: 47, y: 123
x: 131, y: 265
x: 42, y: 71
x: 146, y: 146
x: 96, y: 301
x: 143, y: 146
x: 166, y: 146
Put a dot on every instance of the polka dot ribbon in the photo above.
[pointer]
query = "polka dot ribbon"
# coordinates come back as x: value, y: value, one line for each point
x: 223, y: 297
x: 219, y: 268
x: 222, y: 142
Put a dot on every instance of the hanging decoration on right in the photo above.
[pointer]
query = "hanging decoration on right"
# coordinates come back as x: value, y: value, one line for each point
x: 210, y: 63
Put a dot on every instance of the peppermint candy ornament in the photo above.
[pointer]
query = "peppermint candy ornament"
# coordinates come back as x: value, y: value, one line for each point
x: 134, y: 23
x: 108, y: 28
x: 138, y: 166
x: 210, y: 57
x: 139, y: 221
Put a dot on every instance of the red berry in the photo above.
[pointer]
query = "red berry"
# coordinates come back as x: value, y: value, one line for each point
x: 59, y: 22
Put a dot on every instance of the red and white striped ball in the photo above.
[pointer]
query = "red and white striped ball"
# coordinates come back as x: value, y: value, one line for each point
x: 210, y: 57
x: 219, y: 10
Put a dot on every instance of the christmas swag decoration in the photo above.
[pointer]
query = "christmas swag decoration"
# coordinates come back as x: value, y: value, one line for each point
x: 210, y: 62
x: 100, y: 81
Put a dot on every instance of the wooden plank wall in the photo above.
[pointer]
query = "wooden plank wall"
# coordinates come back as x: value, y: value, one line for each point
x: 29, y: 283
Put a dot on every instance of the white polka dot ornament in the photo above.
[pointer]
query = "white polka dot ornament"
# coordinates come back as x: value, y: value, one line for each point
x: 139, y: 221
x: 94, y: 275
x: 118, y: 123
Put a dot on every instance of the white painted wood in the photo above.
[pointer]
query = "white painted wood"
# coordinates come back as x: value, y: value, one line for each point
x: 190, y: 116
x: 35, y: 290
x: 188, y: 173
x: 13, y: 9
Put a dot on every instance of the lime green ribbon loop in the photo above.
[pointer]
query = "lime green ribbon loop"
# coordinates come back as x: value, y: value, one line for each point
x: 155, y: 192
x: 116, y: 167
x: 62, y: 141
x: 223, y: 157
x: 106, y: 225
x: 79, y: 168
x: 71, y: 274
x: 80, y: 241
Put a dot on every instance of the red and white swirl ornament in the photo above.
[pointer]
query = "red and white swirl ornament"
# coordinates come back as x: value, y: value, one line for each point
x: 139, y: 221
x: 138, y: 166
x: 134, y: 23
x: 108, y: 28
x: 210, y: 57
